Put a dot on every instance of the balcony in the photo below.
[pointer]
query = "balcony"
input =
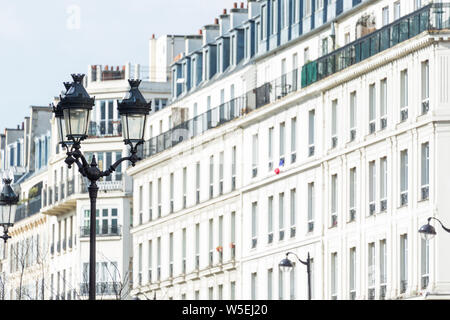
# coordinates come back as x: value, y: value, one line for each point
x: 103, y: 231
x: 352, y: 215
x: 425, y: 106
x: 403, y: 286
x: 425, y: 192
x: 424, y: 19
x: 101, y: 288
x: 114, y: 184
x: 383, y: 205
x: 105, y: 128
x: 424, y: 281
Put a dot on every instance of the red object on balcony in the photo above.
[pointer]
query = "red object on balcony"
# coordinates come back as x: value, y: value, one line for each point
x: 232, y: 245
x: 277, y: 171
x: 219, y: 249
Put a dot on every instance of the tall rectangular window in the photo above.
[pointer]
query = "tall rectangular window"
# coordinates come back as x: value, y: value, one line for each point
x: 352, y: 213
x: 269, y: 284
x: 211, y: 177
x: 293, y: 139
x: 158, y: 258
x: 233, y: 234
x: 334, y: 199
x: 197, y: 183
x: 425, y: 86
x: 184, y: 187
x: 383, y: 269
x: 150, y: 261
x: 311, y: 206
x: 371, y: 271
x: 150, y: 201
x: 372, y: 108
x: 425, y: 170
x: 383, y: 104
x: 404, y: 95
x: 383, y: 184
x: 270, y: 219
x: 425, y: 263
x: 352, y: 276
x: 385, y: 16
x: 280, y: 284
x: 159, y: 198
x: 270, y: 149
x: 282, y: 141
x: 233, y: 168
x: 334, y: 138
x: 403, y: 263
x: 372, y: 187
x: 255, y: 155
x: 183, y: 253
x: 211, y: 241
x: 171, y: 255
x: 253, y: 286
x: 254, y: 224
x: 353, y: 115
x: 171, y: 193
x: 292, y: 284
x: 232, y: 290
x: 197, y: 246
x: 293, y: 211
x: 334, y: 276
x: 220, y: 246
x: 281, y: 216
x: 311, y: 122
x: 221, y: 160
x: 396, y: 10
x: 140, y: 265
x: 404, y: 177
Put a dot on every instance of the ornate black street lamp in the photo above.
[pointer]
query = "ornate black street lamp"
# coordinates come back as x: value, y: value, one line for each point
x: 76, y: 106
x: 428, y: 232
x: 8, y: 206
x: 286, y: 266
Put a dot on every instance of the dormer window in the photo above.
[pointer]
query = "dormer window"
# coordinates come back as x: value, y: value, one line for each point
x: 233, y: 50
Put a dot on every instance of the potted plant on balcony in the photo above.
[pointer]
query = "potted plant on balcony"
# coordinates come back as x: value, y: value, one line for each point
x: 219, y: 248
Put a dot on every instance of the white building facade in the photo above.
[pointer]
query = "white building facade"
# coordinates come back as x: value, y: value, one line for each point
x: 313, y: 127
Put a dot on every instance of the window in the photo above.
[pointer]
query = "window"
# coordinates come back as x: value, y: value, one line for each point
x: 383, y: 104
x: 324, y: 46
x: 211, y: 177
x: 197, y: 183
x: 383, y: 184
x: 281, y: 216
x: 221, y: 173
x: 171, y: 193
x: 352, y: 277
x: 158, y: 259
x: 184, y: 187
x: 197, y: 246
x: 270, y: 219
x: 385, y: 16
x: 211, y: 241
x: 417, y: 4
x: 270, y: 148
x: 372, y: 108
x: 280, y: 285
x: 254, y: 279
x: 307, y: 8
x: 352, y: 194
x: 396, y: 10
x: 371, y: 271
x: 255, y: 156
x: 425, y: 264
x: 372, y: 187
x: 293, y: 210
x: 159, y: 198
x: 311, y: 132
x: 233, y: 290
x: 353, y: 115
x: 220, y: 289
x: 404, y: 95
x: 293, y: 139
x: 233, y: 235
x: 150, y: 201
x: 311, y: 207
x: 171, y: 255
x: 383, y: 269
x: 334, y: 276
x: 425, y: 87
x: 282, y: 142
x: 183, y: 246
x: 292, y: 284
x: 403, y: 263
x: 334, y: 138
x: 233, y: 168
x: 210, y: 293
x: 150, y: 261
x: 220, y: 246
x: 306, y: 55
x: 269, y: 284
x: 254, y: 224
x: 404, y: 177
x: 140, y: 265
x: 425, y: 170
x: 334, y: 200
x: 274, y: 18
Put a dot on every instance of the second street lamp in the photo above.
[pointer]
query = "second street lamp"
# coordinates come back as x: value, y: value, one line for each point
x: 286, y: 266
x: 428, y: 232
x: 76, y: 106
x: 8, y: 206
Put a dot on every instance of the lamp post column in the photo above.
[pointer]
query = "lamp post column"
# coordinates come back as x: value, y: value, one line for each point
x: 93, y: 191
x: 308, y: 270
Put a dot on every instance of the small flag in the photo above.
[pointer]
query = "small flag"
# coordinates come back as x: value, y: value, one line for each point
x: 281, y: 164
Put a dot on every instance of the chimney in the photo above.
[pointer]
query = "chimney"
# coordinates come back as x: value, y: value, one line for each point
x: 200, y: 31
x: 22, y: 125
x: 216, y: 21
x: 242, y: 5
x: 235, y: 5
x: 254, y: 8
x: 153, y: 36
x: 224, y: 23
x: 224, y: 11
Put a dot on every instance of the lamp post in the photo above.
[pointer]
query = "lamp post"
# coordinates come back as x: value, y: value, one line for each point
x: 286, y: 266
x: 73, y: 115
x: 8, y: 206
x: 428, y: 232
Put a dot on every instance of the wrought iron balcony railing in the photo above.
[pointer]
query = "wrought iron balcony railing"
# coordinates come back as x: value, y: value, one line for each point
x: 105, y: 128
x: 101, y: 288
x: 108, y: 230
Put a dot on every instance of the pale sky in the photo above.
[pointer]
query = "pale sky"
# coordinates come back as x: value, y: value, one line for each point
x: 43, y: 42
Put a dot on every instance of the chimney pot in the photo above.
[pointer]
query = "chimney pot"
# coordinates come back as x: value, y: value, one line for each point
x: 235, y: 5
x: 224, y: 11
x: 153, y: 36
x: 216, y: 21
x: 200, y: 32
x: 242, y: 5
